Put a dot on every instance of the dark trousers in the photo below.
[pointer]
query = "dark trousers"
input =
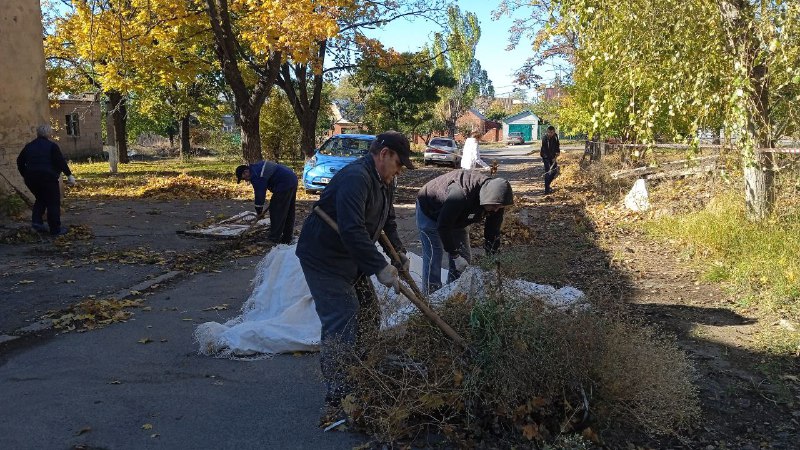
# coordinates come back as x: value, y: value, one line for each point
x: 281, y: 216
x: 349, y: 313
x: 48, y: 198
x: 548, y: 175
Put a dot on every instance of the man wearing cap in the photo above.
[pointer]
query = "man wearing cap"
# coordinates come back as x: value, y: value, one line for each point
x: 337, y: 265
x: 282, y: 182
x: 446, y: 206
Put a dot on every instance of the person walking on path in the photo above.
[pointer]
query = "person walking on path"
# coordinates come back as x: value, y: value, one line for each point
x: 282, y: 182
x: 41, y: 163
x: 470, y: 155
x: 337, y: 266
x: 549, y: 152
x: 446, y: 206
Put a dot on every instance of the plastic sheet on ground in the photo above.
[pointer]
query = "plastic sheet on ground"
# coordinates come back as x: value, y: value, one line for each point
x: 279, y: 316
x: 232, y: 227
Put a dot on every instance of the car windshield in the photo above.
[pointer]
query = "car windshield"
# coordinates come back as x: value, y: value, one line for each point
x: 345, y: 147
x: 441, y: 143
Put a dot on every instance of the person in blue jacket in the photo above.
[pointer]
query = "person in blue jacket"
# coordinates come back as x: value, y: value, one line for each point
x: 282, y: 182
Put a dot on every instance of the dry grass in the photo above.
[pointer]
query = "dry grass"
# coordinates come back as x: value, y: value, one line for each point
x: 530, y: 377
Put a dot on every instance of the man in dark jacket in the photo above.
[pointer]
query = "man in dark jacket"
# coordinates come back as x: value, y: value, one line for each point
x: 337, y: 266
x: 282, y: 182
x: 549, y: 152
x: 446, y: 206
x: 41, y: 163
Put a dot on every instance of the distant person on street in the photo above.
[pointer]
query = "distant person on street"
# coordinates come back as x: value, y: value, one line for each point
x: 41, y: 163
x: 549, y: 152
x: 337, y: 266
x: 470, y: 155
x: 282, y: 182
x: 446, y: 206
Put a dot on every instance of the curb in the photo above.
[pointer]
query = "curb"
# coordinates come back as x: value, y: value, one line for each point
x: 46, y: 324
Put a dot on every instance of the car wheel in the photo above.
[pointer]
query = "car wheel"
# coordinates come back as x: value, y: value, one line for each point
x: 426, y: 163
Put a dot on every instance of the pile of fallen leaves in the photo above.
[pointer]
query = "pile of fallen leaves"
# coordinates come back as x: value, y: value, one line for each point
x: 186, y: 187
x: 20, y: 235
x: 91, y: 314
x: 533, y: 375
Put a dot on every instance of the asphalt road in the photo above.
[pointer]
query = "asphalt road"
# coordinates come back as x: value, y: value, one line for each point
x: 107, y: 389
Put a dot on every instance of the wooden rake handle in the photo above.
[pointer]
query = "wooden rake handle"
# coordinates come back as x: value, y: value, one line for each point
x: 405, y: 290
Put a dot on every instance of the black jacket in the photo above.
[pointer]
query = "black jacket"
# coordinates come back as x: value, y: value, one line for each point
x: 361, y: 204
x: 453, y: 200
x: 41, y: 158
x: 550, y: 147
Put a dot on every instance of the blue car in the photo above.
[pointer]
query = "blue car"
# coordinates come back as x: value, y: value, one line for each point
x: 337, y: 152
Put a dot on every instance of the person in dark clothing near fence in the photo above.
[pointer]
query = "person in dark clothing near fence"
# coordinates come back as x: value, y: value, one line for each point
x: 549, y: 152
x: 446, y: 206
x: 41, y: 163
x: 337, y: 265
x: 282, y: 182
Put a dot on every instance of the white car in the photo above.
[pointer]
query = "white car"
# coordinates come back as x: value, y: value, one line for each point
x: 442, y: 150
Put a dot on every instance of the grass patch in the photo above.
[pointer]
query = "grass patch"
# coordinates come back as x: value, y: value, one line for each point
x: 166, y: 179
x: 759, y: 260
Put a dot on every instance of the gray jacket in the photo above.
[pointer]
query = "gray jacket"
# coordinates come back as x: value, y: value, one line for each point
x: 361, y: 205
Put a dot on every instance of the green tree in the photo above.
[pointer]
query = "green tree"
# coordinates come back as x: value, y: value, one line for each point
x: 647, y: 67
x: 400, y: 95
x: 302, y: 81
x: 455, y: 52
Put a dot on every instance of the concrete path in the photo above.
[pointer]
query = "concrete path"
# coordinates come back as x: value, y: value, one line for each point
x: 105, y: 389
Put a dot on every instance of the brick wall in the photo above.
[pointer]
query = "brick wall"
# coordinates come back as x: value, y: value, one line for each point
x: 89, y: 140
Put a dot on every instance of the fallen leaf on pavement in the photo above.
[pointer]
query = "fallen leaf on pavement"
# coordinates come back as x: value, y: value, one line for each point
x: 144, y: 341
x: 24, y: 281
x: 221, y: 307
x: 147, y: 426
x: 84, y: 430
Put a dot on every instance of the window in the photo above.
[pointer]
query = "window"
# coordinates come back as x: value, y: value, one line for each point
x: 337, y: 146
x: 73, y: 126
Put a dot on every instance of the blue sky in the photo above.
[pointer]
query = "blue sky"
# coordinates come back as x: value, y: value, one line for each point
x: 498, y: 62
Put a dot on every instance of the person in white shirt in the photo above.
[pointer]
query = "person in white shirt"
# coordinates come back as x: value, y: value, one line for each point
x: 470, y: 156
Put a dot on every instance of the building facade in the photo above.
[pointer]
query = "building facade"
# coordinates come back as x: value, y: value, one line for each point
x: 524, y: 122
x: 23, y: 97
x: 77, y: 122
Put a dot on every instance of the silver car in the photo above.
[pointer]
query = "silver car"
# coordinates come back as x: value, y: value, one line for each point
x: 442, y: 150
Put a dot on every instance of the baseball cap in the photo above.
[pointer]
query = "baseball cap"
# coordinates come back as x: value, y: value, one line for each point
x: 398, y: 142
x: 239, y: 171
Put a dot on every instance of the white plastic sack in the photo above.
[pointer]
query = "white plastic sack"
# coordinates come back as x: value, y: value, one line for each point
x: 637, y: 199
x: 279, y: 316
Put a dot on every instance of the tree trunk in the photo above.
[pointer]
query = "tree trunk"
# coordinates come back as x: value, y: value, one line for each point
x: 759, y: 176
x: 119, y: 115
x: 759, y: 179
x: 248, y: 101
x: 308, y: 136
x: 251, y: 138
x: 186, y: 146
x: 306, y: 107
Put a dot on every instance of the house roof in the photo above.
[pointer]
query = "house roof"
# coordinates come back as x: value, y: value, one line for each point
x: 478, y: 114
x: 519, y: 115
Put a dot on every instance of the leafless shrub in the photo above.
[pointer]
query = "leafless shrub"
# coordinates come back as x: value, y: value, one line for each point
x: 533, y: 374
